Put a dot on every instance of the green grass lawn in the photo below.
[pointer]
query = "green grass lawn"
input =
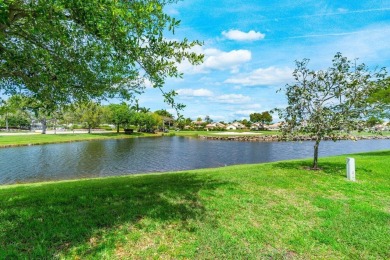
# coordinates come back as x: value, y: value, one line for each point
x: 273, y: 211
x: 35, y: 139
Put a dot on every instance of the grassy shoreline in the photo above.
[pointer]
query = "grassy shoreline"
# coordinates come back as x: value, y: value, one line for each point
x: 272, y: 210
x: 38, y: 139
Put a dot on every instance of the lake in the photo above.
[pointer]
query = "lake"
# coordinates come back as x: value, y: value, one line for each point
x: 160, y: 154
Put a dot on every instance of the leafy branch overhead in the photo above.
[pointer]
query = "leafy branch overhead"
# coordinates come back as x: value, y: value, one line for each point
x: 66, y: 50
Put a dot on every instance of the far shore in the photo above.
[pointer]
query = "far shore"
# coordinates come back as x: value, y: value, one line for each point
x: 13, y: 139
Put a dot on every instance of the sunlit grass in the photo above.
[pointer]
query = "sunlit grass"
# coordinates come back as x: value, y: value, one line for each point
x: 274, y: 211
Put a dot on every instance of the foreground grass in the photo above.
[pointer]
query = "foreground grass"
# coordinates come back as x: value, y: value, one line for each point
x: 35, y: 139
x: 273, y: 211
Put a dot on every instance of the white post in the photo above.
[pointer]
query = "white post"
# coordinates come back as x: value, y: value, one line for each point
x: 351, y: 169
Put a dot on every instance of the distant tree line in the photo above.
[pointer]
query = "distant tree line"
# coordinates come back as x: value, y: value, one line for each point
x: 21, y: 112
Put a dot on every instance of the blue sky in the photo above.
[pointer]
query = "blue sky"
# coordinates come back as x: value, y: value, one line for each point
x: 250, y: 48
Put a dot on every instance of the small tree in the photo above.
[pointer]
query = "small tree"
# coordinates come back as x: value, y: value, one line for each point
x: 89, y: 113
x: 264, y: 117
x: 328, y: 102
x: 255, y: 117
x: 147, y: 122
x: 119, y: 114
x: 246, y: 123
x: 7, y: 108
x: 372, y: 121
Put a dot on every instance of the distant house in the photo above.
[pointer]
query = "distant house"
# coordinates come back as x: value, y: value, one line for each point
x: 381, y: 127
x: 258, y: 126
x: 235, y: 126
x: 304, y: 123
x: 198, y: 124
x: 213, y: 126
x: 274, y: 127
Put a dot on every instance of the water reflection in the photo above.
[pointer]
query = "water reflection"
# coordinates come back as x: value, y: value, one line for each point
x: 142, y: 155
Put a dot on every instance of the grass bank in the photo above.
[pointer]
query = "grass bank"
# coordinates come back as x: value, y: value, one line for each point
x: 273, y: 211
x: 36, y: 139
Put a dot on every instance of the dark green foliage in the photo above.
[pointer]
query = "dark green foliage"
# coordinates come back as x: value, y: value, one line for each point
x: 119, y: 114
x: 264, y: 117
x: 62, y: 50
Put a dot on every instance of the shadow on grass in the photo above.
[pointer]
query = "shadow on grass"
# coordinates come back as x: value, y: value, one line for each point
x: 48, y: 220
x: 332, y: 168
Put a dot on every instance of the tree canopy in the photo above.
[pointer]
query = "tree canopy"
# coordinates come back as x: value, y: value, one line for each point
x: 264, y: 117
x: 90, y: 113
x: 328, y: 102
x: 65, y: 50
x: 381, y: 96
x: 119, y: 114
x: 382, y: 93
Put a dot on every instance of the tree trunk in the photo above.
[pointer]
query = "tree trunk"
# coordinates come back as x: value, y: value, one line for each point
x: 89, y: 129
x: 117, y: 128
x: 315, y: 159
x: 6, y: 122
x: 43, y: 121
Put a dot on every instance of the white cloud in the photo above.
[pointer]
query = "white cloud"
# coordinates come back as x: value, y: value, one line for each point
x: 243, y: 113
x: 147, y: 83
x: 232, y: 99
x: 369, y: 45
x: 172, y: 11
x: 342, y: 10
x: 253, y: 106
x: 270, y: 76
x: 195, y: 92
x: 220, y: 60
x: 243, y: 36
x: 216, y: 59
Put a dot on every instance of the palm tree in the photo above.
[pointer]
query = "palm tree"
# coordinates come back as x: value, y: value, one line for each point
x: 136, y: 106
x: 144, y: 110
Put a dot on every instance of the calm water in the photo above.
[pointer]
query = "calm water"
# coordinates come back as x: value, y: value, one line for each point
x: 142, y: 155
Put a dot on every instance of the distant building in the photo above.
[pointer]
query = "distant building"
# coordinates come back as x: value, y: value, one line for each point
x: 381, y: 127
x: 213, y: 126
x: 235, y: 126
x: 258, y: 126
x: 198, y: 124
x: 274, y: 127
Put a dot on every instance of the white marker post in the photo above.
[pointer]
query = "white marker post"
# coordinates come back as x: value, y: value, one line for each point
x: 351, y: 169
